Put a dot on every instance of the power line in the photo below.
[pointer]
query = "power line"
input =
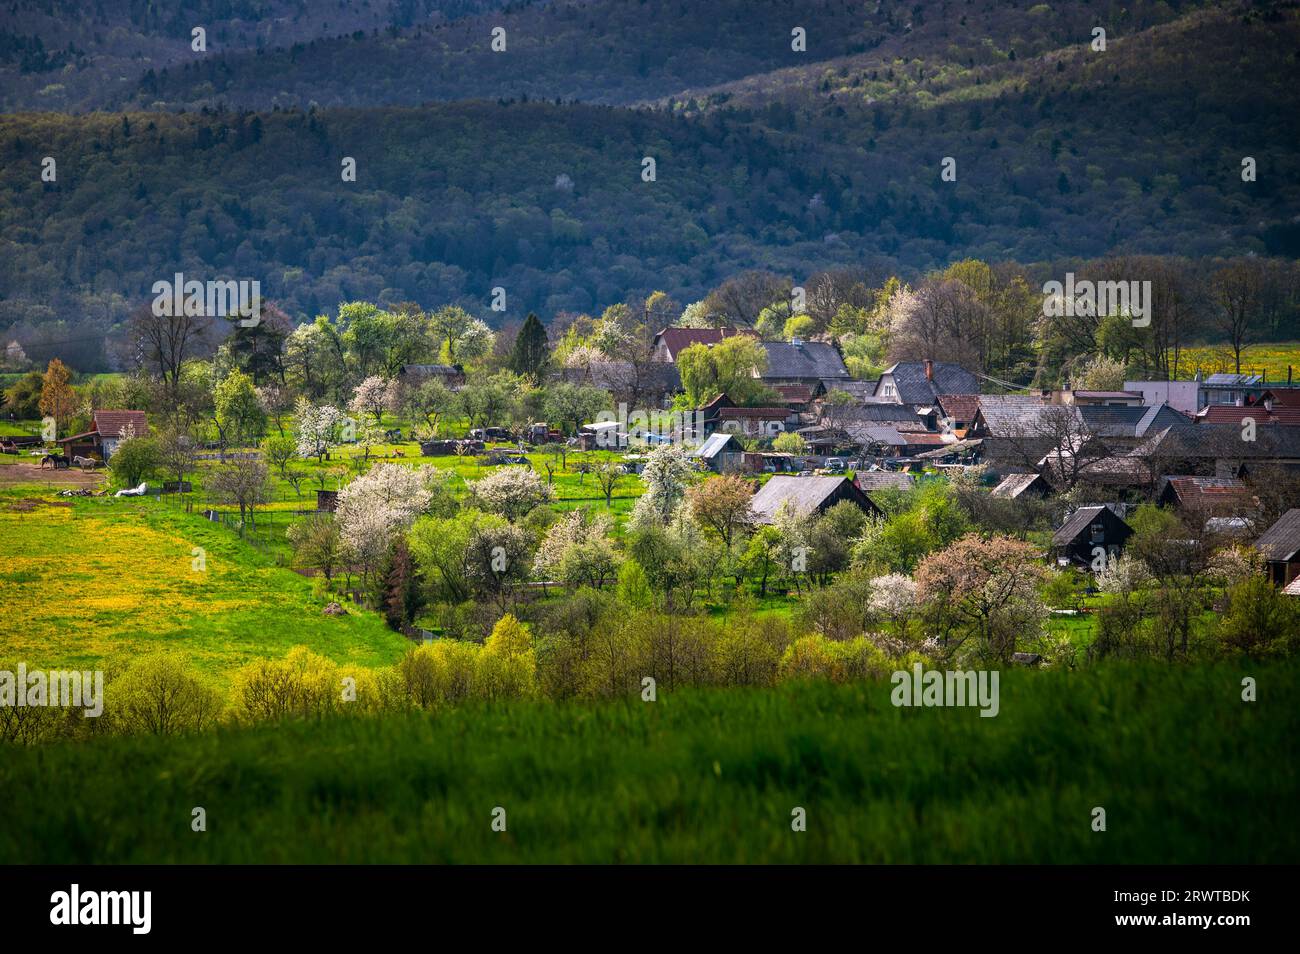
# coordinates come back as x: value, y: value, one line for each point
x: 1005, y: 384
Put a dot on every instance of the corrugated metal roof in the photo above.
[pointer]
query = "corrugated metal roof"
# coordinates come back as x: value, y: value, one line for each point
x: 1013, y: 485
x: 713, y: 445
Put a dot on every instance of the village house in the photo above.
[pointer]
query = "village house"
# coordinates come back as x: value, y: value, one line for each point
x: 1219, y: 450
x: 1206, y: 497
x: 638, y: 384
x: 452, y: 376
x: 1088, y: 533
x: 1263, y: 412
x: 810, y: 363
x: 1094, y: 398
x: 108, y: 430
x: 958, y: 411
x: 870, y: 480
x: 1183, y: 396
x: 1017, y: 486
x: 670, y: 342
x: 1279, y: 545
x: 922, y: 383
x: 721, y: 453
x: 860, y: 391
x: 722, y: 414
x: 808, y: 495
x: 1231, y: 389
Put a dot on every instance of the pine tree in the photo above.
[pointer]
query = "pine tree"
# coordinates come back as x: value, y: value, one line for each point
x: 399, y: 590
x: 531, y: 348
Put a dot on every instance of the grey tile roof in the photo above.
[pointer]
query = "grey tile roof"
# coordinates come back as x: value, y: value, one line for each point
x: 804, y: 494
x: 1020, y: 419
x: 1210, y: 441
x: 1129, y: 421
x: 878, y: 412
x: 1281, y: 541
x: 809, y: 360
x: 1078, y: 522
x: 877, y: 433
x: 915, y: 388
x: 861, y: 390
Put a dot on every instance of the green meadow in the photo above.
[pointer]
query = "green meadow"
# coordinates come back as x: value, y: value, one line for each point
x: 1185, y: 770
x: 90, y: 580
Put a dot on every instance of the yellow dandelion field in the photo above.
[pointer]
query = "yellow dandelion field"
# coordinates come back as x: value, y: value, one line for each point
x: 103, y: 580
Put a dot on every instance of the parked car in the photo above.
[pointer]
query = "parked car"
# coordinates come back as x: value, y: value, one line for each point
x: 834, y: 465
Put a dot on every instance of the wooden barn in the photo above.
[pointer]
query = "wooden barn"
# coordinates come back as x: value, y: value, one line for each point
x: 108, y: 429
x: 1088, y: 529
x: 1279, y: 545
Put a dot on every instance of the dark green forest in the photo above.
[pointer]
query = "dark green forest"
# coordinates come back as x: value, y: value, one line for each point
x: 1061, y: 152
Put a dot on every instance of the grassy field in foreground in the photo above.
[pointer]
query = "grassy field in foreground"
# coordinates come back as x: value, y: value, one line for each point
x: 86, y: 580
x: 1185, y: 770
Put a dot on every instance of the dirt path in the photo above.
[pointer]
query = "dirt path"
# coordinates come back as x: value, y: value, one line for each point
x: 25, y: 473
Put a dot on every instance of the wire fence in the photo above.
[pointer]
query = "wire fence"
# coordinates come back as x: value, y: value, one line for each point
x: 263, y: 526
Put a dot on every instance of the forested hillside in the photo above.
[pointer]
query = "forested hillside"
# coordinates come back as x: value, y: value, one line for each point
x: 276, y: 52
x: 1074, y: 153
x: 76, y: 55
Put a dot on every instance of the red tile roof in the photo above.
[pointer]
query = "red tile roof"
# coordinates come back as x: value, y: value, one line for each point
x: 794, y: 393
x: 1232, y: 414
x: 935, y: 440
x: 110, y: 423
x: 959, y: 407
x: 1281, y: 397
x: 678, y: 338
x: 1204, y: 493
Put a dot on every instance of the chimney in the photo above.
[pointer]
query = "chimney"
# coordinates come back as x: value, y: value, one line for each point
x: 929, y: 370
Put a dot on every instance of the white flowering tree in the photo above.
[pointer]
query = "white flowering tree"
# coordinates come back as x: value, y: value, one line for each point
x: 315, y: 428
x: 1122, y: 574
x: 893, y: 598
x: 380, y: 504
x: 511, y: 492
x: 666, y: 475
x: 577, y: 551
x: 371, y: 396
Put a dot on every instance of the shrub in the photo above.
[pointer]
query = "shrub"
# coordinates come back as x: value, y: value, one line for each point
x: 159, y: 695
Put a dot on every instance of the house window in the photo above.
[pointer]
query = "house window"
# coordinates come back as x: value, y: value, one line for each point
x: 1098, y: 532
x: 886, y: 390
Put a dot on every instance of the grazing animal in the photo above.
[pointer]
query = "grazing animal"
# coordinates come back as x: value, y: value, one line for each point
x: 57, y: 461
x: 85, y: 463
x: 398, y: 453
